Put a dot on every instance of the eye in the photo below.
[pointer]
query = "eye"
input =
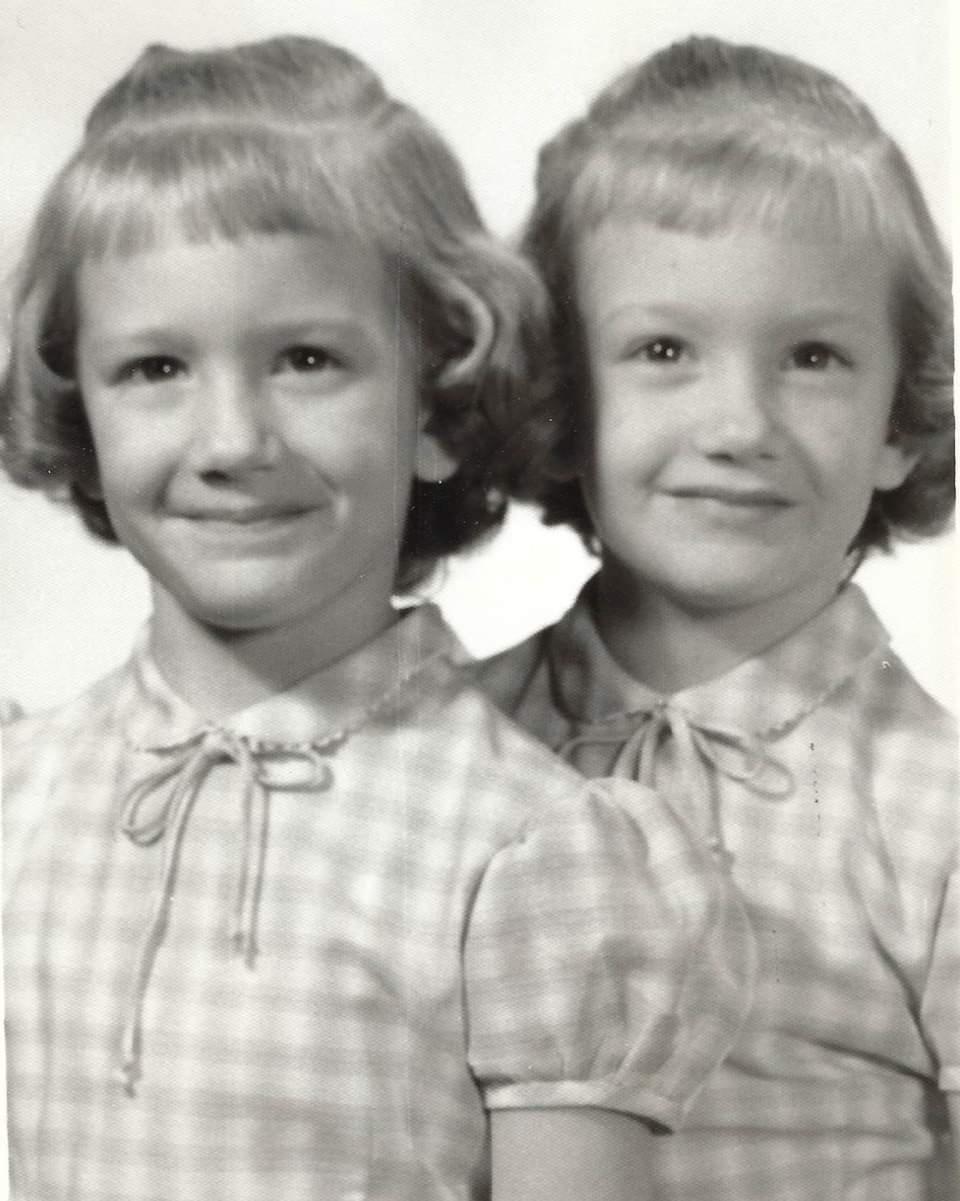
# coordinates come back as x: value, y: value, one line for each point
x: 816, y: 356
x: 151, y: 369
x: 306, y: 358
x: 664, y: 349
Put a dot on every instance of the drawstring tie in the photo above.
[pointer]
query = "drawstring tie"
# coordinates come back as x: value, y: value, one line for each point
x: 150, y: 815
x: 700, y: 746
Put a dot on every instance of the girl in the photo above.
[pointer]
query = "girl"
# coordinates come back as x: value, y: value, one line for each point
x: 752, y: 384
x: 288, y: 908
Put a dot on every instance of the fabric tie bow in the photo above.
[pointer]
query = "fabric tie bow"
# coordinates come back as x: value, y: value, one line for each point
x: 152, y: 813
x: 700, y: 746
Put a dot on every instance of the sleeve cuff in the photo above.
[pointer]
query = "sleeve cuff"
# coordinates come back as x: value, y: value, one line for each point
x: 949, y: 1080
x: 627, y: 1098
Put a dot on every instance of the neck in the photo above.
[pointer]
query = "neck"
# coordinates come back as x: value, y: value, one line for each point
x: 669, y: 645
x: 222, y: 671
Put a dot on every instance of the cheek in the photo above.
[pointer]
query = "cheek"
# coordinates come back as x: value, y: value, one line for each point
x: 829, y: 436
x: 372, y: 459
x: 612, y: 472
x: 133, y: 462
x: 855, y: 443
x: 630, y: 432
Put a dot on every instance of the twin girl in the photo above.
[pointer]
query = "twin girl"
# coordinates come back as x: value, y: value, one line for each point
x: 292, y: 909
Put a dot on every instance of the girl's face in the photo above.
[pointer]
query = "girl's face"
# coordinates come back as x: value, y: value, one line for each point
x: 254, y: 414
x: 742, y: 386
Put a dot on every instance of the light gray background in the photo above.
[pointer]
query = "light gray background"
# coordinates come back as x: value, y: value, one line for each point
x: 498, y: 77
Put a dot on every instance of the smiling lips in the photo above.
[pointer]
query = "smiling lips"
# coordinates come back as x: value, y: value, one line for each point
x: 244, y: 518
x: 743, y: 498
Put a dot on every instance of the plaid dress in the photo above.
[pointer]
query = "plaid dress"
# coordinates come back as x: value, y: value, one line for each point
x: 300, y: 953
x: 826, y: 780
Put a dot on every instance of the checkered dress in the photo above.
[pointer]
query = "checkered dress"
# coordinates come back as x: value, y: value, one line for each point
x: 827, y: 780
x: 264, y: 961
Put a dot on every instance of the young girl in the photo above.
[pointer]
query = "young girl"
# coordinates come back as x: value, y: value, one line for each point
x: 288, y: 906
x: 752, y: 382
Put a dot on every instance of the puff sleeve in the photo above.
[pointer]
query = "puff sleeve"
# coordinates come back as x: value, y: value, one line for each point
x: 607, y: 962
x: 940, y: 1008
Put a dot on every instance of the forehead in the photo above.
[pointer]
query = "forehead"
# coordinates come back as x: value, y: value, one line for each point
x: 755, y: 275
x: 239, y: 284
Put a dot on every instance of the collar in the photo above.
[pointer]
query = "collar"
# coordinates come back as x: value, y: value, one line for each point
x: 764, y: 696
x: 336, y: 698
x: 725, y: 727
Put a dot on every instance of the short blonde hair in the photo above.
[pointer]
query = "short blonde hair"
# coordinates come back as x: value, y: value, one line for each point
x: 286, y: 135
x: 705, y: 136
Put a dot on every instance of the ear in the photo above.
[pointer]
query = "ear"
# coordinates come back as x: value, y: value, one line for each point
x: 569, y: 460
x: 484, y: 331
x: 894, y: 463
x: 91, y: 489
x: 88, y: 480
x: 563, y: 469
x: 434, y: 464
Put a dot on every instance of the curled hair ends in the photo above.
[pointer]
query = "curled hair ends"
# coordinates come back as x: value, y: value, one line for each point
x: 287, y: 136
x: 705, y: 137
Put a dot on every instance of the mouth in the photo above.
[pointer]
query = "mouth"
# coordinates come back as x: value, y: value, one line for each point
x: 737, y: 498
x: 247, y: 520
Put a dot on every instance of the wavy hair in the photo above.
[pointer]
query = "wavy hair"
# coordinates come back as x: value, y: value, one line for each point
x: 705, y: 136
x: 289, y: 135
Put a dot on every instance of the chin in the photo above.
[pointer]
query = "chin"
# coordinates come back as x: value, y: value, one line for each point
x: 236, y: 615
x: 699, y: 595
x: 236, y: 625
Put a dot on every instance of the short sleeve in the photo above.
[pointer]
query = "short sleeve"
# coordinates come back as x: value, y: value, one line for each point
x: 940, y: 1008
x: 607, y: 961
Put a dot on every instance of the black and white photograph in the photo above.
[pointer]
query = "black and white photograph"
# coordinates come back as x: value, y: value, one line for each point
x: 478, y: 590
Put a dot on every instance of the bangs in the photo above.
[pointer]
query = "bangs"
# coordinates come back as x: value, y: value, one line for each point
x: 800, y: 187
x: 203, y: 183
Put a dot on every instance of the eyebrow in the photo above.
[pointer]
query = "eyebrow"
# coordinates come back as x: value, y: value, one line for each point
x: 670, y: 311
x: 173, y: 333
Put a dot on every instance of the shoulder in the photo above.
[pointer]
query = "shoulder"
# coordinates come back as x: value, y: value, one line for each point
x: 890, y: 703
x: 898, y: 746
x: 53, y: 759
x: 897, y: 750
x: 507, y: 677
x: 921, y: 740
x: 523, y: 682
x: 31, y: 741
x: 477, y: 730
x: 875, y: 694
x: 506, y: 779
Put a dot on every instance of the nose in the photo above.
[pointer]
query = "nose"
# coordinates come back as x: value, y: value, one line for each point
x: 234, y: 428
x: 739, y: 419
